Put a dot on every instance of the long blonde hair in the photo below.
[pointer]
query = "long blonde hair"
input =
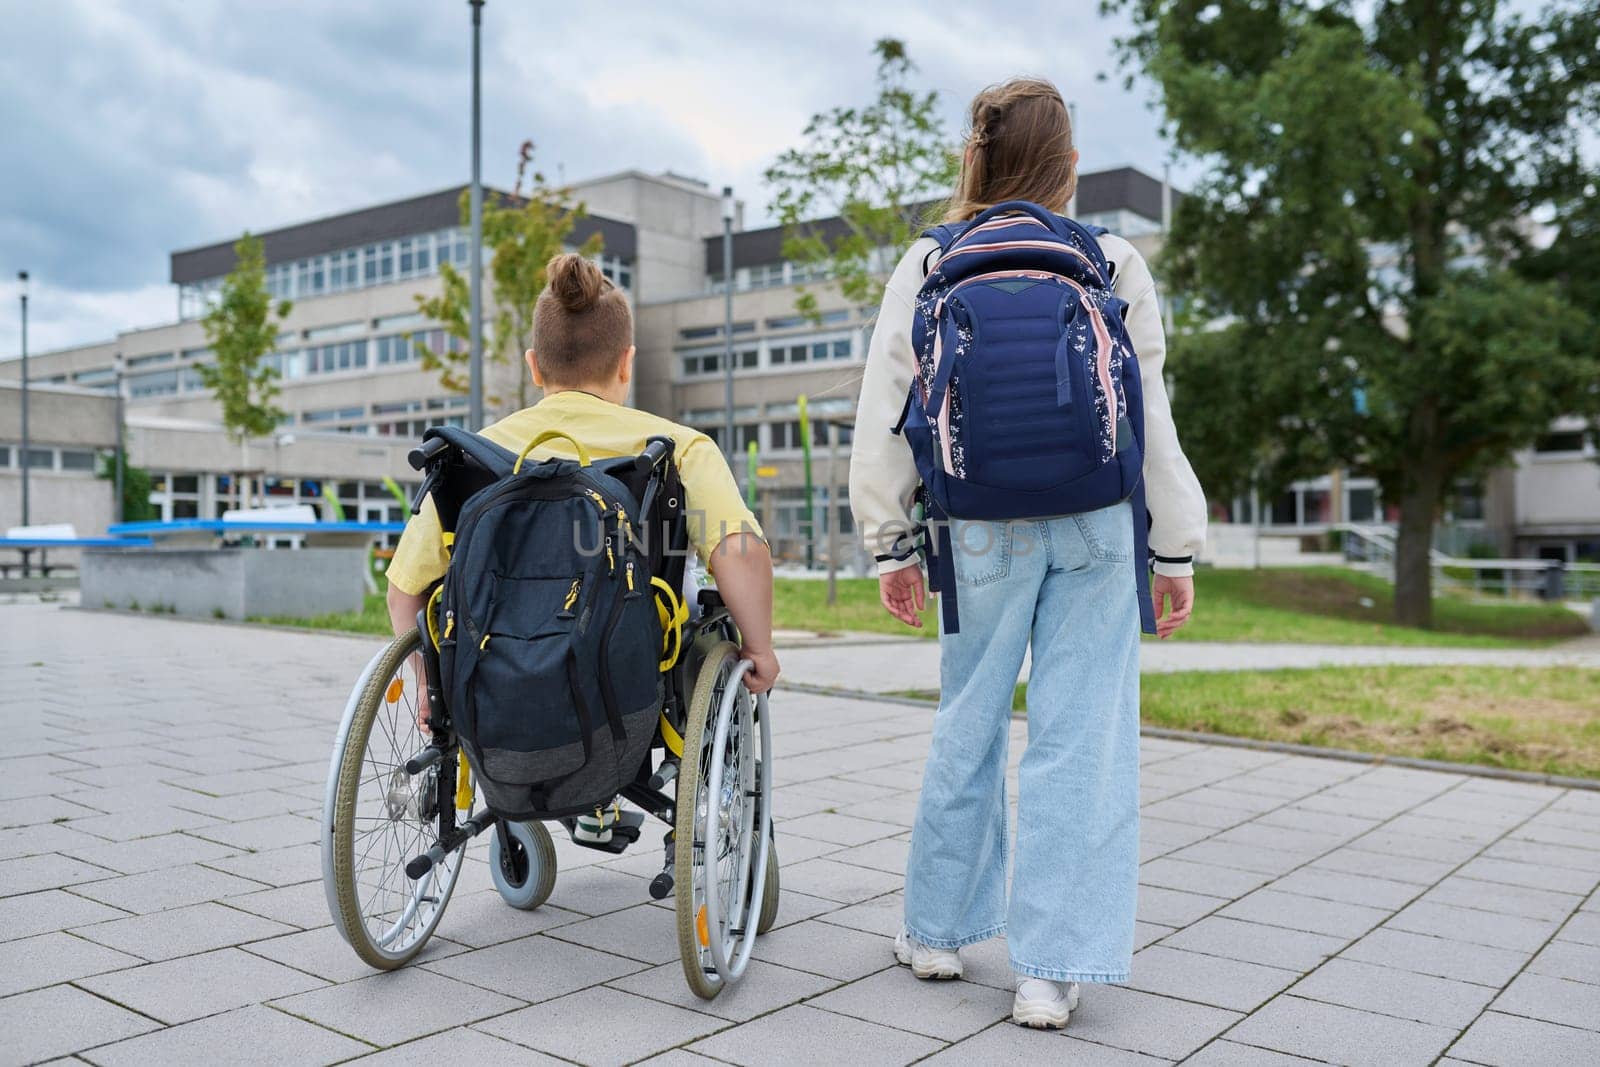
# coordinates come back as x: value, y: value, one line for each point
x: 1019, y: 147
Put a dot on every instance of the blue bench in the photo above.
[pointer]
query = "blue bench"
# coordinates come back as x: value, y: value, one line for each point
x: 25, y: 545
x: 205, y: 532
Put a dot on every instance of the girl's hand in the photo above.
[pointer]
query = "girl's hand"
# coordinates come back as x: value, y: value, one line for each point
x: 903, y: 594
x: 1180, y: 591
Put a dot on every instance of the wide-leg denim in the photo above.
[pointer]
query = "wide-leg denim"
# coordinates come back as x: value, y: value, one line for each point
x: 1068, y: 586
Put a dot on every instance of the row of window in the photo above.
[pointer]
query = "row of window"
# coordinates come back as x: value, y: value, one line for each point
x: 72, y: 460
x: 785, y: 353
x: 340, y: 419
x: 380, y: 263
x: 770, y: 276
x: 785, y: 322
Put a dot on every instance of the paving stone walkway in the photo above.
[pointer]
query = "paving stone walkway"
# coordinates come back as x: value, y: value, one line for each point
x: 159, y: 897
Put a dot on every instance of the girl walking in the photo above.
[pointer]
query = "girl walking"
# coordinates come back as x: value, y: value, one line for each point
x: 1064, y: 585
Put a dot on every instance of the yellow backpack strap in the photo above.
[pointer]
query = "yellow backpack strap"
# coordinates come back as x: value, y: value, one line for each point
x: 583, y: 453
x: 432, y: 615
x: 672, y: 738
x: 674, y: 613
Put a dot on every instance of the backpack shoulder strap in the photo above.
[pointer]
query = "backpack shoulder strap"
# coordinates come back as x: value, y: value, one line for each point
x: 944, y: 235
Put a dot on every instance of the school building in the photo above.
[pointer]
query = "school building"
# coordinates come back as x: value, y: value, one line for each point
x: 356, y: 397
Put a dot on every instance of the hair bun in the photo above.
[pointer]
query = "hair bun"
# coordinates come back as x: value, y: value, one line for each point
x: 575, y: 282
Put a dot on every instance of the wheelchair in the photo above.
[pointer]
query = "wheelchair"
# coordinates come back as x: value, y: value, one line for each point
x: 399, y: 810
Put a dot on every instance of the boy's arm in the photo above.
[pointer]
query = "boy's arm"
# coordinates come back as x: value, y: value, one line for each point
x: 403, y: 608
x: 742, y: 566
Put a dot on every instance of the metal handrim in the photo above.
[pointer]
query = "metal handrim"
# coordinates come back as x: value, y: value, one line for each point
x: 376, y: 812
x: 737, y: 930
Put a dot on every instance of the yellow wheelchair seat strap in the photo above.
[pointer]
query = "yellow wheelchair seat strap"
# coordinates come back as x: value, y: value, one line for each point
x: 674, y: 614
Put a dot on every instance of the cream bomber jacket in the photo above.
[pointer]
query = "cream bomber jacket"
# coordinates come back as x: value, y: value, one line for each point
x: 883, y: 476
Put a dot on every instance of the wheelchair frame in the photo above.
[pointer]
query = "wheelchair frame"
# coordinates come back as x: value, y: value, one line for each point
x: 721, y: 752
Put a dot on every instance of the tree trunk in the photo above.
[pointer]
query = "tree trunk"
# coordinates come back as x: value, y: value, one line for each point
x: 1413, y: 569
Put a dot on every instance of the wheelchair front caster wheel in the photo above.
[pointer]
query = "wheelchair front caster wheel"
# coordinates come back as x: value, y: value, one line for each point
x: 526, y: 874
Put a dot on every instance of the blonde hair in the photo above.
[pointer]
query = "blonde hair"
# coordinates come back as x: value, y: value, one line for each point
x: 581, y: 324
x: 1019, y: 147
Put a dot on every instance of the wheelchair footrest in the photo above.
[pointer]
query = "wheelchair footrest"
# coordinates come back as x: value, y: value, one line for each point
x: 624, y: 832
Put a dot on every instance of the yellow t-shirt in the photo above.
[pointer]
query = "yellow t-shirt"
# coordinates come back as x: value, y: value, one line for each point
x: 714, y: 506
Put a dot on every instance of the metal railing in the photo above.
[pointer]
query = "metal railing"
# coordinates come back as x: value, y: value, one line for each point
x: 1373, y: 547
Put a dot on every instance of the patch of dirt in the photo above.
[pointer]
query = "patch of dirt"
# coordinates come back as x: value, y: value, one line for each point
x: 1332, y: 596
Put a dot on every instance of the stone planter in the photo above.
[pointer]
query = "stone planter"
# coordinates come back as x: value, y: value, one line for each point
x: 231, y: 583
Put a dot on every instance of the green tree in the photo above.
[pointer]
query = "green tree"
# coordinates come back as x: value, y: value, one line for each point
x: 522, y: 233
x: 136, y: 486
x: 242, y: 328
x: 871, y: 167
x: 1370, y: 174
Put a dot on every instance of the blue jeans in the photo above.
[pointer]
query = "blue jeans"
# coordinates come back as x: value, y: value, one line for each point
x: 1068, y: 585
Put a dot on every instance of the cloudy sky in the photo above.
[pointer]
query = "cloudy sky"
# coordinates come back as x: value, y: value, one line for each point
x: 135, y: 127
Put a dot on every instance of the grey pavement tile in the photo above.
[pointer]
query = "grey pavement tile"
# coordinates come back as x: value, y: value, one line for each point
x: 1568, y: 959
x: 1511, y: 1041
x: 888, y: 855
x: 1223, y: 795
x: 483, y: 918
x: 273, y: 831
x: 1583, y: 928
x: 165, y: 935
x: 1532, y: 875
x: 1439, y: 956
x: 176, y: 887
x: 276, y: 867
x: 1176, y: 834
x: 1348, y: 888
x: 596, y: 890
x: 461, y: 1045
x: 1171, y: 873
x: 1181, y: 809
x: 601, y: 1026
x: 880, y: 915
x: 765, y: 987
x: 163, y: 852
x: 1223, y: 983
x: 790, y: 802
x: 949, y: 1011
x: 1361, y: 801
x: 1281, y: 838
x: 61, y: 1020
x: 1479, y: 927
x: 397, y: 1005
x: 1143, y: 1022
x: 1006, y: 1045
x: 1173, y: 907
x: 40, y: 913
x: 1539, y: 854
x: 1468, y: 831
x: 141, y: 822
x: 796, y: 1035
x: 1468, y: 892
x: 1223, y: 1053
x: 1305, y: 913
x: 1419, y: 872
x: 798, y: 907
x: 1405, y: 994
x: 229, y: 783
x: 1148, y: 933
x: 1318, y: 822
x: 35, y: 811
x: 241, y: 807
x: 1555, y: 1000
x: 35, y: 962
x: 249, y: 1037
x: 323, y: 953
x: 181, y: 990
x: 44, y: 837
x: 640, y: 933
x: 1268, y: 861
x: 304, y: 905
x: 843, y: 882
x: 535, y: 968
x: 1341, y: 1035
x: 1409, y: 846
x: 30, y: 874
x: 822, y: 948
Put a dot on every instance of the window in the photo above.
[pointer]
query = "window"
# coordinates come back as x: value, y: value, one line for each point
x: 41, y: 459
x: 386, y: 261
x: 74, y: 459
x: 695, y: 333
x: 159, y: 383
x: 369, y: 263
x: 5, y: 455
x: 151, y: 360
x: 1560, y: 441
x: 105, y: 376
x: 1362, y: 506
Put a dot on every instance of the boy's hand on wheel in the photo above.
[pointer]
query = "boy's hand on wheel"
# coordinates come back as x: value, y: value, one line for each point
x: 423, y: 711
x: 759, y: 678
x: 1180, y: 591
x: 903, y: 594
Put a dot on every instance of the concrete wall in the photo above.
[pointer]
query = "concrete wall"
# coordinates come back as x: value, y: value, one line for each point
x: 234, y: 583
x: 673, y: 217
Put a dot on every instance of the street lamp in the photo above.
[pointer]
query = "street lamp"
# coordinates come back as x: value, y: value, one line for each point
x: 121, y: 457
x: 727, y: 316
x: 27, y: 444
x: 475, y: 312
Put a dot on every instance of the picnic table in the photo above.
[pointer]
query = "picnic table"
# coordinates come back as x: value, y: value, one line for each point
x: 25, y: 545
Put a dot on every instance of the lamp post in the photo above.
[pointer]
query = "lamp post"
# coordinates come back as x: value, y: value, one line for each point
x: 475, y: 311
x: 727, y: 318
x: 27, y: 444
x: 121, y: 457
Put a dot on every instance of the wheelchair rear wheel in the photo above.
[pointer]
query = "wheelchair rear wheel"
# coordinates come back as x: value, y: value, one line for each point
x: 376, y: 816
x: 723, y: 832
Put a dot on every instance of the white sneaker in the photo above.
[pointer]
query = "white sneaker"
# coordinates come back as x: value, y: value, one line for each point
x: 1043, y: 1004
x: 925, y: 961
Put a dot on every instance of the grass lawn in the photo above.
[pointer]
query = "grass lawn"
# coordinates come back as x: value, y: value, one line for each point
x: 1302, y: 606
x: 1544, y: 719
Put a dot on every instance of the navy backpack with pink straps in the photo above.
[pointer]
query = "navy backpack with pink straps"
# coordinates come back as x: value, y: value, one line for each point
x: 1027, y: 402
